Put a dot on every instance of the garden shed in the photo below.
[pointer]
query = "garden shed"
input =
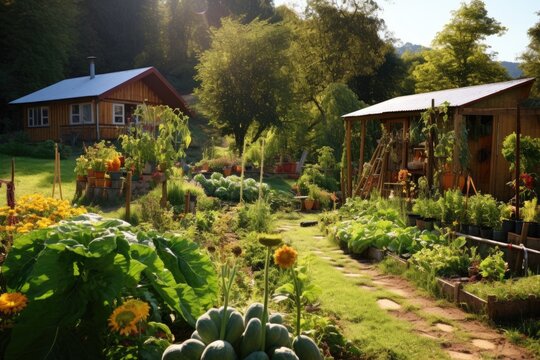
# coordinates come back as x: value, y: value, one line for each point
x: 94, y: 107
x: 489, y: 113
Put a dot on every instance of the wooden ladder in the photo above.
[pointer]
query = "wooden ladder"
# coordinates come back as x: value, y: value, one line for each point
x: 373, y: 175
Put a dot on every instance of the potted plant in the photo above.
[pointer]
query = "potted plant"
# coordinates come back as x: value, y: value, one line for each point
x: 489, y: 216
x: 113, y: 167
x: 432, y: 214
x: 309, y: 202
x: 507, y: 218
x: 498, y: 232
x: 419, y: 207
x: 528, y: 212
x: 452, y: 208
x: 474, y: 214
x: 81, y: 168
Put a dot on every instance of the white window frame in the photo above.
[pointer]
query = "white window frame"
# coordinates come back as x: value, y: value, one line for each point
x: 39, y: 120
x: 80, y: 122
x: 114, y: 116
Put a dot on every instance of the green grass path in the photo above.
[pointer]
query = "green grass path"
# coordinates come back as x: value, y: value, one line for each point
x: 36, y: 175
x: 377, y: 333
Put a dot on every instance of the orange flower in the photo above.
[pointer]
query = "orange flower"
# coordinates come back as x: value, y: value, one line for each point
x: 11, y: 303
x: 285, y: 257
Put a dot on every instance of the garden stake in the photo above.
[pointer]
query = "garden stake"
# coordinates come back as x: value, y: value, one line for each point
x: 297, y: 301
x: 265, y: 305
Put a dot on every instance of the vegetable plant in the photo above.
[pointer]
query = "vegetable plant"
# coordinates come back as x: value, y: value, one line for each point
x: 73, y: 274
x: 493, y: 267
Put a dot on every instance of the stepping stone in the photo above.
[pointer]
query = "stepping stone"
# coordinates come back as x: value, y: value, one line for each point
x: 444, y: 327
x: 340, y: 268
x: 461, y: 356
x: 318, y: 237
x: 426, y: 335
x: 351, y: 275
x: 387, y: 304
x: 483, y: 344
x: 327, y: 258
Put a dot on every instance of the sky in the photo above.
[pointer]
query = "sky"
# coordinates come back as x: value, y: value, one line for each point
x: 418, y: 21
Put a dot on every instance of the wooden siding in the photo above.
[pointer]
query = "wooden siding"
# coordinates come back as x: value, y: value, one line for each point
x: 59, y: 128
x: 137, y: 92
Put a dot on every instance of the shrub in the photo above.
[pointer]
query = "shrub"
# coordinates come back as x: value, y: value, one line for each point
x: 153, y: 214
x: 40, y: 150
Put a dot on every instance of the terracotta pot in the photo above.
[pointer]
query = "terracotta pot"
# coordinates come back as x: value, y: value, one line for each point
x: 108, y: 182
x: 100, y: 182
x: 447, y: 180
x: 227, y: 170
x: 308, y: 204
x: 90, y: 172
x: 91, y: 181
x: 205, y: 167
x: 99, y: 174
x: 81, y: 178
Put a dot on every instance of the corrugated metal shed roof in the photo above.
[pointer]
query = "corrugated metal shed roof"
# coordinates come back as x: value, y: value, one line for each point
x: 81, y: 87
x: 420, y: 102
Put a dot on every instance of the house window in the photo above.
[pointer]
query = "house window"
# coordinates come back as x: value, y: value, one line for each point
x: 81, y: 114
x: 118, y: 114
x: 38, y: 116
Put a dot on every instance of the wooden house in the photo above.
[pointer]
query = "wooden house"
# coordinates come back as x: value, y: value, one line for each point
x: 489, y: 112
x: 94, y: 107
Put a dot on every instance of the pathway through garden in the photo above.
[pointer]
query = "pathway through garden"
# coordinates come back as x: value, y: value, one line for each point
x: 386, y: 313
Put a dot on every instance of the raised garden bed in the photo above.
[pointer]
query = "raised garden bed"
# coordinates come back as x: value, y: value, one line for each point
x: 495, y: 309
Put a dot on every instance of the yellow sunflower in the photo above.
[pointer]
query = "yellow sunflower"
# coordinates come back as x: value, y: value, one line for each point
x: 285, y: 257
x: 11, y: 303
x: 125, y: 318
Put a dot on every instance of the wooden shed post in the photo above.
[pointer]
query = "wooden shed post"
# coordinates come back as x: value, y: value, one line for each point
x: 518, y: 151
x: 431, y: 158
x: 362, y: 147
x: 349, y: 164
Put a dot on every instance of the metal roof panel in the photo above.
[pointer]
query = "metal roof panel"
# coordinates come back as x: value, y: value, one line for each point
x: 420, y: 102
x: 80, y: 87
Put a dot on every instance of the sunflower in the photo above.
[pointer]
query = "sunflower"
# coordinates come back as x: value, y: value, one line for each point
x: 11, y: 303
x: 125, y: 318
x: 285, y: 257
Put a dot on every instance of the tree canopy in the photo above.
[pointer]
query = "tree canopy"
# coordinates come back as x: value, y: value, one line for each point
x: 459, y: 57
x: 243, y: 78
x: 531, y: 57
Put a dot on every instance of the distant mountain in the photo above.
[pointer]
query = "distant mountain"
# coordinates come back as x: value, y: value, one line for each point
x: 512, y: 67
x: 412, y: 48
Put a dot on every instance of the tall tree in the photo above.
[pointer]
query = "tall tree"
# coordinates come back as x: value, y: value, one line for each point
x: 531, y: 57
x: 334, y: 43
x: 459, y: 57
x: 242, y: 76
x: 37, y: 38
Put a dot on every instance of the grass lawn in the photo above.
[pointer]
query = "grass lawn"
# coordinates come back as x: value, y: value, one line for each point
x: 379, y: 335
x: 36, y: 176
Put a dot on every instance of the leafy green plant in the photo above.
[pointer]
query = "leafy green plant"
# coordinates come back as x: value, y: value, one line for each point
x: 445, y: 260
x: 529, y: 211
x: 493, y: 267
x: 73, y: 273
x: 474, y: 209
x: 453, y: 207
x: 489, y: 212
x: 529, y: 150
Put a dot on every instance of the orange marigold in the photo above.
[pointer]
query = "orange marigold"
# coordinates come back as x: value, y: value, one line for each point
x: 11, y: 303
x: 285, y: 257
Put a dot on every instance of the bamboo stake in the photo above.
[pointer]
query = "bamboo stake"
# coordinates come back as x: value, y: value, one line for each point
x: 128, y: 196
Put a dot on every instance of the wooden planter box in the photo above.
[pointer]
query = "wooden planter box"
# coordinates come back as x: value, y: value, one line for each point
x: 496, y: 310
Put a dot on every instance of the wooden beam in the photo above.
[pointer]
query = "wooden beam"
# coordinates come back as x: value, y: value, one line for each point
x: 362, y: 147
x: 386, y: 116
x: 518, y: 143
x: 405, y: 147
x: 487, y: 111
x: 349, y: 163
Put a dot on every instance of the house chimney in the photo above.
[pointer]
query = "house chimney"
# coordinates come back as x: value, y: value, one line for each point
x: 92, y: 66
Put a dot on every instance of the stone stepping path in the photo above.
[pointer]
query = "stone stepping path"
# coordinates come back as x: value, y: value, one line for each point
x: 387, y: 304
x: 444, y: 327
x: 465, y: 339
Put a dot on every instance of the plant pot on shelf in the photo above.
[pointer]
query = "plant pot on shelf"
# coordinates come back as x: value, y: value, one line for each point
x: 486, y: 233
x: 100, y: 182
x: 90, y: 172
x: 91, y: 181
x: 115, y: 175
x: 474, y: 230
x: 429, y: 224
x: 448, y: 178
x: 82, y: 178
x: 99, y: 174
x: 308, y: 204
x: 420, y: 223
x: 509, y: 225
x: 499, y: 235
x: 411, y: 219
